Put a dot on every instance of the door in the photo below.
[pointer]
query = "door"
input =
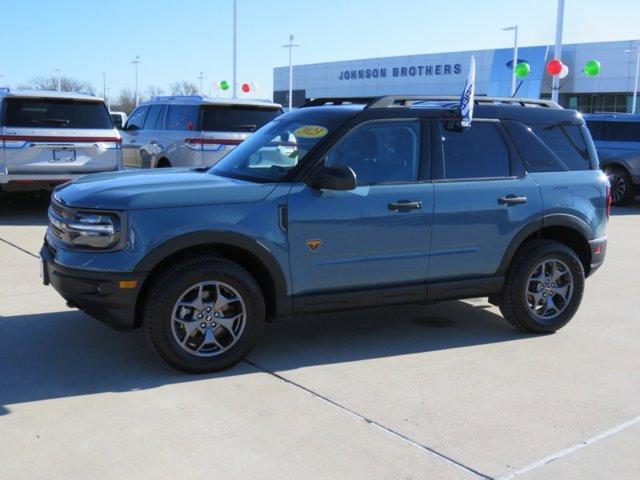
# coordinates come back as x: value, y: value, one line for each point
x: 182, y: 137
x: 376, y: 235
x: 483, y: 198
x: 131, y: 138
x: 149, y: 137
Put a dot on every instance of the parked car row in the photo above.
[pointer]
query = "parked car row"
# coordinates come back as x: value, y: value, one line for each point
x: 48, y: 138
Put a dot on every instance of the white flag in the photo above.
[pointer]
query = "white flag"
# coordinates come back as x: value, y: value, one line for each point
x: 468, y: 95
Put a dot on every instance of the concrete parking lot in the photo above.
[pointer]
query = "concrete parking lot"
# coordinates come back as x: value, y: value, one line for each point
x: 441, y: 391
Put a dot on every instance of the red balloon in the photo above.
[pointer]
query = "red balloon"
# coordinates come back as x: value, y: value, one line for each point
x: 554, y: 67
x: 246, y: 88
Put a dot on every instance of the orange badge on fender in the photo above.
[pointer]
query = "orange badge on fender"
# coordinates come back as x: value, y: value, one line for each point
x: 314, y: 244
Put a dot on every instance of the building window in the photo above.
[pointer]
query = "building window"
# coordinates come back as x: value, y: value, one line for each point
x: 598, y: 103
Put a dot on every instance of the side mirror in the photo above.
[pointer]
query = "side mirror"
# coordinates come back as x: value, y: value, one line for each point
x: 338, y: 177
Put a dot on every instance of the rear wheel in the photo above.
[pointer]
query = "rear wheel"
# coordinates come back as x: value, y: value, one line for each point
x: 204, y: 314
x: 622, y: 189
x: 163, y: 163
x: 543, y: 288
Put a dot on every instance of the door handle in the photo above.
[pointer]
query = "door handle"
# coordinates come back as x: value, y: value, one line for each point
x: 402, y: 205
x: 512, y: 200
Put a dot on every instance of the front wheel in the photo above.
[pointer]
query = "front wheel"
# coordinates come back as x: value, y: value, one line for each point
x: 543, y: 288
x: 204, y: 314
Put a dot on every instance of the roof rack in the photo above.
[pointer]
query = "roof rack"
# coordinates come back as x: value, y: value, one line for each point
x: 319, y: 102
x: 409, y: 100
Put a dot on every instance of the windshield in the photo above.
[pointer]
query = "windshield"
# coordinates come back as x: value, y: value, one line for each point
x: 274, y: 150
x: 236, y: 118
x: 56, y: 113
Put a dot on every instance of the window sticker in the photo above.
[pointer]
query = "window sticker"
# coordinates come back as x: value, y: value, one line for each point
x: 310, y: 131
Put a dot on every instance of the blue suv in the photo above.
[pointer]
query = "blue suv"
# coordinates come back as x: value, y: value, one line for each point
x: 617, y: 139
x: 334, y: 206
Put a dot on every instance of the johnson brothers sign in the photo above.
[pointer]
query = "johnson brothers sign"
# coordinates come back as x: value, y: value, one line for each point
x: 411, y: 71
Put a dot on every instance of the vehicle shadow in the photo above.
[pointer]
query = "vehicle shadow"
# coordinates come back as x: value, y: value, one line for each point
x: 65, y: 354
x: 24, y: 209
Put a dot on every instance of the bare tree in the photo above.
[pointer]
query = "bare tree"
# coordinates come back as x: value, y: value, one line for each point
x: 152, y: 92
x: 183, y: 87
x: 125, y: 102
x: 67, y: 84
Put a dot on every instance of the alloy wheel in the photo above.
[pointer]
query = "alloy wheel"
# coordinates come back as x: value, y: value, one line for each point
x: 208, y: 318
x: 549, y: 289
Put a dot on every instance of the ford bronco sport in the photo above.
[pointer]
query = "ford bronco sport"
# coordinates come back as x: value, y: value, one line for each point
x: 333, y: 206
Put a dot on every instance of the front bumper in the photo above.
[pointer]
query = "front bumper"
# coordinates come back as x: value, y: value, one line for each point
x: 598, y: 248
x: 97, y: 293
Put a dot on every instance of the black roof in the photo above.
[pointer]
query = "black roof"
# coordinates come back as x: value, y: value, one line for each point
x: 532, y: 111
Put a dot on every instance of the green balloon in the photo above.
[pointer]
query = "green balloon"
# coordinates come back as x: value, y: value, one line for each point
x: 592, y: 68
x: 523, y: 69
x: 224, y: 85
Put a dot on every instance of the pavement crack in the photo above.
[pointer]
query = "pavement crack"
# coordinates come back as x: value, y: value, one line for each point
x: 372, y: 422
x: 19, y: 248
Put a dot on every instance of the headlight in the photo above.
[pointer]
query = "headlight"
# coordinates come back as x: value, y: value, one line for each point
x: 85, y: 229
x: 94, y: 230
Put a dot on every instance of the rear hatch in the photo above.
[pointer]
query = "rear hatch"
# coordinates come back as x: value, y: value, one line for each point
x: 226, y: 126
x: 58, y: 136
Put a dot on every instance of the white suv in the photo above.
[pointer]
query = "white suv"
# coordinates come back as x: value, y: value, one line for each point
x: 190, y: 131
x: 48, y: 138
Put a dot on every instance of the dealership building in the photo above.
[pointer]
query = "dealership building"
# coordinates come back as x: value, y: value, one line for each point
x: 445, y: 74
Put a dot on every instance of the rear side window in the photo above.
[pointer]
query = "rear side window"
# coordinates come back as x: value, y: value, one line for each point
x: 182, y: 117
x: 236, y: 118
x: 474, y: 152
x: 53, y: 113
x: 567, y: 142
x: 153, y: 117
x: 551, y: 148
x: 614, y: 131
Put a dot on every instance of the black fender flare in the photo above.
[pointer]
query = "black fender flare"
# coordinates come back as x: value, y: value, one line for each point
x: 221, y: 237
x: 554, y: 219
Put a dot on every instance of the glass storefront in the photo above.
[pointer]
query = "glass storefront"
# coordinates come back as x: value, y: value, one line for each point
x: 598, y: 102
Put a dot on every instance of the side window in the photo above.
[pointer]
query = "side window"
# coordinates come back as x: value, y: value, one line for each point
x: 474, y: 152
x: 152, y: 117
x: 623, y: 131
x: 136, y: 120
x: 380, y: 152
x: 567, y: 142
x: 182, y: 117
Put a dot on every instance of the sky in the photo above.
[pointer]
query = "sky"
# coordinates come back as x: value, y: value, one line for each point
x: 178, y: 40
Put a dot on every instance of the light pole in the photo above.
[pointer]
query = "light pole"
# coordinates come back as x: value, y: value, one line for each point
x: 57, y: 70
x: 515, y: 57
x: 136, y: 62
x: 235, y: 36
x: 201, y: 78
x: 557, y: 51
x: 290, y: 46
x: 635, y: 85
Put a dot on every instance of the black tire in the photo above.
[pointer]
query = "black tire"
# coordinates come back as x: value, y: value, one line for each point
x: 163, y: 163
x: 513, y: 303
x: 172, y: 283
x: 623, y: 191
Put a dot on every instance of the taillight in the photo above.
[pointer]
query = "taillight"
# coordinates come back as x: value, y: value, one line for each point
x: 608, y: 204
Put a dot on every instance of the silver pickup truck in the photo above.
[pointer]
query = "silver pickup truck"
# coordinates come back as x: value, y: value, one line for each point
x: 48, y: 138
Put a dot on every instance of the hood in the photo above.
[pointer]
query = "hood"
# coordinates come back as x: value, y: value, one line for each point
x: 157, y: 188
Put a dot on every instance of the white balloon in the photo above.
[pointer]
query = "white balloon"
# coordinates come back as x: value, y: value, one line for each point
x: 564, y: 72
x: 216, y: 86
x: 255, y: 86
